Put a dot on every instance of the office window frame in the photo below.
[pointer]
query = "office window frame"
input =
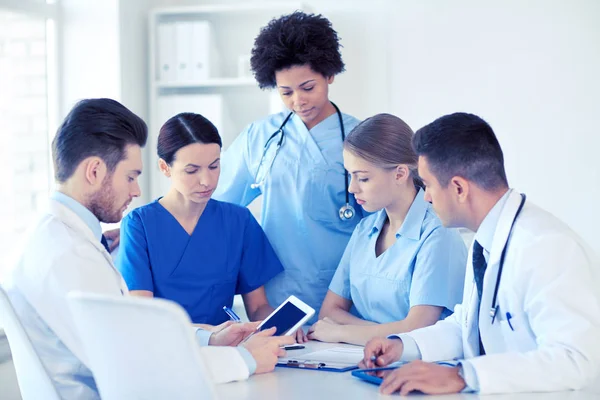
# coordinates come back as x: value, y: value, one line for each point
x: 47, y: 11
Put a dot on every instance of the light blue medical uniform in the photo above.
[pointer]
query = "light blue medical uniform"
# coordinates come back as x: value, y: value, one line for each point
x: 302, y: 196
x: 227, y: 254
x: 425, y: 266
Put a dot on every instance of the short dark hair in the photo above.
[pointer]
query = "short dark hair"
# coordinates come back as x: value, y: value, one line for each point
x: 462, y: 144
x: 182, y: 130
x: 95, y: 127
x: 295, y: 39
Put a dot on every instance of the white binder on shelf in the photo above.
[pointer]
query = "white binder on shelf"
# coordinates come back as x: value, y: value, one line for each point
x: 201, y: 50
x: 183, y: 53
x: 165, y: 41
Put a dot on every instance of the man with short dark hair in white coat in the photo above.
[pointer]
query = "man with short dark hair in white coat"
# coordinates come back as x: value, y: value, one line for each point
x: 530, y: 316
x: 97, y: 158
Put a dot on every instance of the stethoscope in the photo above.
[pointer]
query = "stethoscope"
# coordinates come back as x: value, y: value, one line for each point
x: 494, y: 309
x: 346, y: 212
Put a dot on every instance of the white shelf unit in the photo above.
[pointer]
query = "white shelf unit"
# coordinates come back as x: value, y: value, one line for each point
x: 215, y: 83
x: 235, y: 99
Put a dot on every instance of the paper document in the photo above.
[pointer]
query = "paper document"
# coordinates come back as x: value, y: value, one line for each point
x: 338, y: 355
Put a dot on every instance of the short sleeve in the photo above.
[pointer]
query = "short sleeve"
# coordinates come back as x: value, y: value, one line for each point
x: 133, y: 260
x: 259, y: 263
x: 236, y: 178
x: 439, y: 272
x: 340, y: 283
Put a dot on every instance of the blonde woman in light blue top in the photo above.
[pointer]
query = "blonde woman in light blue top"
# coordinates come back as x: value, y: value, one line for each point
x: 402, y: 269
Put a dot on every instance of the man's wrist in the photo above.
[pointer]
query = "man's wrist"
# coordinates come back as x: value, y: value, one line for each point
x: 461, y: 374
x: 469, y: 375
x: 203, y: 337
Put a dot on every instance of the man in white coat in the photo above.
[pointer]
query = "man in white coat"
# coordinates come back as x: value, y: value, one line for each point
x: 537, y: 325
x: 97, y: 160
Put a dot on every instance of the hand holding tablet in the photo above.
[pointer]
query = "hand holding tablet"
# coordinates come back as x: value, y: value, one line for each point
x: 288, y: 317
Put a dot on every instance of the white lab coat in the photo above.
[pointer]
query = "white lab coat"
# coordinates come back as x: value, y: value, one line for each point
x: 550, y: 285
x: 62, y: 255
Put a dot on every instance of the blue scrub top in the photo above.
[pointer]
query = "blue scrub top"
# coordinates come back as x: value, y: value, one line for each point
x: 227, y: 254
x: 425, y: 266
x: 302, y: 196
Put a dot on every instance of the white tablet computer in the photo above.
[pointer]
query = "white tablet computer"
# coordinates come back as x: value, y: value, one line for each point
x: 288, y: 317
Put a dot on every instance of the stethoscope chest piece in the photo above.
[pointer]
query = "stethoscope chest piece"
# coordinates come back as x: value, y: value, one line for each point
x: 347, y: 212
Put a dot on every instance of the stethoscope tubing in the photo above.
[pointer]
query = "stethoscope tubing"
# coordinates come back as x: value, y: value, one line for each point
x: 494, y: 308
x: 347, y: 211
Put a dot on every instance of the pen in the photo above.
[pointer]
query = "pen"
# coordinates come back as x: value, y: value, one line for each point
x: 508, y: 317
x: 306, y: 364
x: 232, y: 315
x: 373, y: 359
x: 293, y: 347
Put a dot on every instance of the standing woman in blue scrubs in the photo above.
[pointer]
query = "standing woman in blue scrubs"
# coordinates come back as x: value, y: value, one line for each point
x: 294, y: 158
x: 402, y: 269
x: 189, y: 248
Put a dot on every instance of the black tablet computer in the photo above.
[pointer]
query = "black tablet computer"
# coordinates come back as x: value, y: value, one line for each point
x: 374, y: 375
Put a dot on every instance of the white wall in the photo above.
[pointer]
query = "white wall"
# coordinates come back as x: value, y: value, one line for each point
x: 363, y: 89
x: 528, y: 68
x: 531, y: 69
x: 133, y: 50
x: 89, y: 57
x: 104, y: 53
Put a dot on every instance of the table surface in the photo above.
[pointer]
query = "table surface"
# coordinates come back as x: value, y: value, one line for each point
x: 299, y: 384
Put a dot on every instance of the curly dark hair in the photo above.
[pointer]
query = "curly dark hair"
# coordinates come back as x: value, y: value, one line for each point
x: 295, y: 39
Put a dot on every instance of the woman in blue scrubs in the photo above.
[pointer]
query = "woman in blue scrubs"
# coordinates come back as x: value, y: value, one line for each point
x: 402, y: 269
x: 189, y: 248
x: 294, y: 158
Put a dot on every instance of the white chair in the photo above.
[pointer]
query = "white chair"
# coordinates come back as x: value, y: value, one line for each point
x: 140, y: 348
x: 34, y: 381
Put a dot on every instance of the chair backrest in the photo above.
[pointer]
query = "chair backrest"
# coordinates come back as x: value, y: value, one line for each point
x: 140, y: 348
x: 34, y: 381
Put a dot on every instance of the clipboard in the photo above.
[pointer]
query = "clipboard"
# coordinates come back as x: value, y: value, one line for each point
x: 316, y: 365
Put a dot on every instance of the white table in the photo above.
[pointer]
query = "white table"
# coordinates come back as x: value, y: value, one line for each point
x: 298, y: 384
